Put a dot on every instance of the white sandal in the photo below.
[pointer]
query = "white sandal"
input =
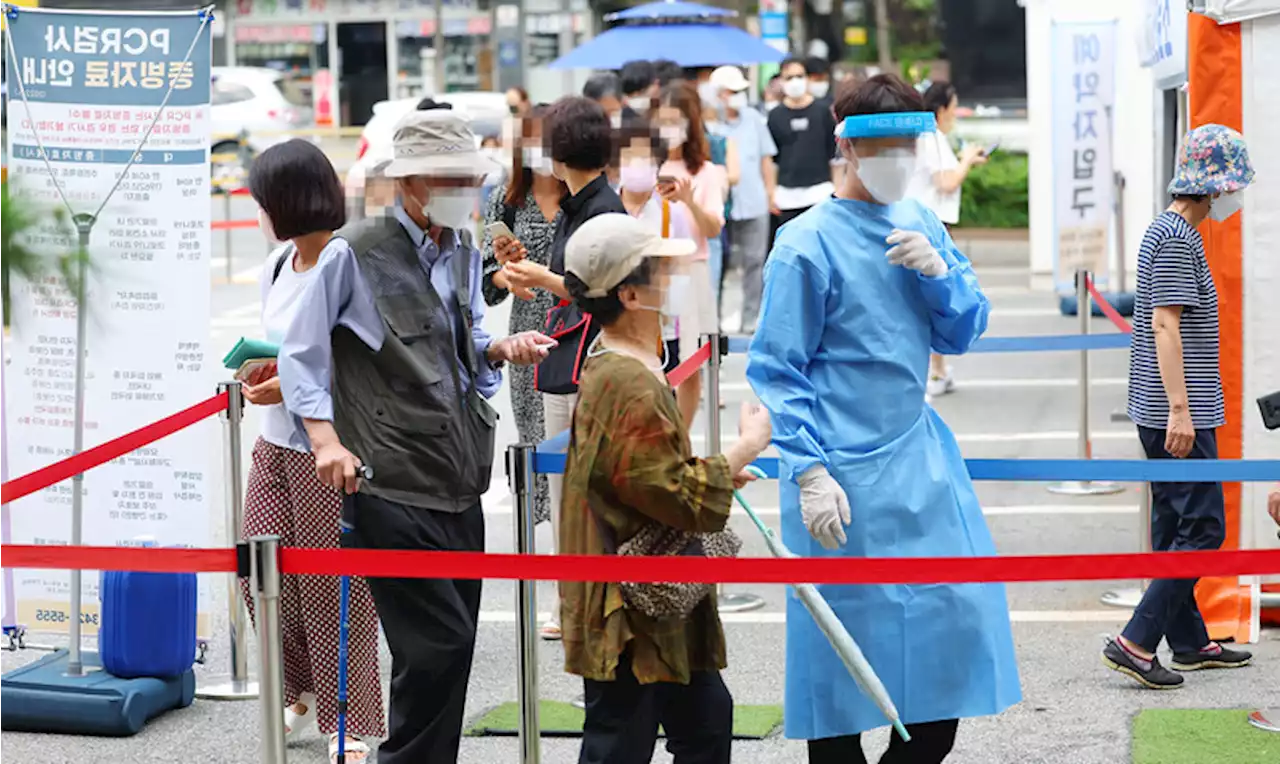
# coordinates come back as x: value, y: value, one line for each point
x: 295, y: 723
x: 357, y: 748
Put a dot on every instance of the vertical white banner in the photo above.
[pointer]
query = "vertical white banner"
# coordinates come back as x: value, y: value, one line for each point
x: 1083, y: 191
x: 84, y: 90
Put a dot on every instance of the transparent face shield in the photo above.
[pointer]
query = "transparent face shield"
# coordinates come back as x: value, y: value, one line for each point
x: 890, y: 152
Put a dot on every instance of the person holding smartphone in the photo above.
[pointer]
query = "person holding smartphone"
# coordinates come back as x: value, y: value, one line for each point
x: 937, y: 182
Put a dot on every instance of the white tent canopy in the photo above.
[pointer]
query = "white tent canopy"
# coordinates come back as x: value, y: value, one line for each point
x: 1232, y: 11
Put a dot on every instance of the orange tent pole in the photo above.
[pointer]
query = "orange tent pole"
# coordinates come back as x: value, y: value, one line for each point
x: 1215, y: 83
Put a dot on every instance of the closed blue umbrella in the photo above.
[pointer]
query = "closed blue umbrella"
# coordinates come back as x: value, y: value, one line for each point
x: 690, y: 45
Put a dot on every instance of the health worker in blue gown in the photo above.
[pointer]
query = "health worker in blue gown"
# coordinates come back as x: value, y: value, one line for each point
x: 857, y: 292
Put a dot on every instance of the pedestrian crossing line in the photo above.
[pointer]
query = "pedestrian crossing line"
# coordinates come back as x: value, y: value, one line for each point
x: 503, y: 506
x: 758, y: 617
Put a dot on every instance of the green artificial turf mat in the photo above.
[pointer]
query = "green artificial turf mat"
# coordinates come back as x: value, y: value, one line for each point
x: 565, y: 720
x: 1195, y: 736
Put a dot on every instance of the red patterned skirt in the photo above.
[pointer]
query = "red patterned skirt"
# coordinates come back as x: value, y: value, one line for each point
x: 286, y: 499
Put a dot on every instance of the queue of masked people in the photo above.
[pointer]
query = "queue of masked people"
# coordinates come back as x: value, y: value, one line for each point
x: 384, y: 361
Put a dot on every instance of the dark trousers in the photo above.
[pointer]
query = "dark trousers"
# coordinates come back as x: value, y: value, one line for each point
x: 776, y: 222
x: 623, y: 717
x: 931, y: 742
x: 1184, y: 517
x: 430, y: 626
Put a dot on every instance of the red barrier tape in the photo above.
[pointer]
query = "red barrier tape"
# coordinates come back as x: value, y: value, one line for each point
x: 224, y: 225
x: 1108, y: 311
x: 113, y: 449
x: 820, y: 570
x: 680, y: 374
x: 152, y: 560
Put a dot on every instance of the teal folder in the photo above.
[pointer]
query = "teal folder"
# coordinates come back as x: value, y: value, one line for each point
x: 248, y: 350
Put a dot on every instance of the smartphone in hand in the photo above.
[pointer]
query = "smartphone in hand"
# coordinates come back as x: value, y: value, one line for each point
x: 989, y: 150
x: 499, y: 230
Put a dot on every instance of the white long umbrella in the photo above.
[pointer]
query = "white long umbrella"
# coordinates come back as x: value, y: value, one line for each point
x: 841, y: 641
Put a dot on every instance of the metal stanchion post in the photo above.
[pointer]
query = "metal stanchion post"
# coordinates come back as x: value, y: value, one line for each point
x: 264, y: 581
x: 1130, y: 597
x: 520, y: 479
x: 1084, y: 487
x: 239, y: 687
x: 84, y: 226
x: 737, y: 602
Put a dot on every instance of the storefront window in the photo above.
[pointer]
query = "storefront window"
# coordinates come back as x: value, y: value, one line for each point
x: 468, y: 59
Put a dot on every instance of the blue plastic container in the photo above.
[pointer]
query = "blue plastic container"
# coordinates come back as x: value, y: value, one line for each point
x: 148, y: 624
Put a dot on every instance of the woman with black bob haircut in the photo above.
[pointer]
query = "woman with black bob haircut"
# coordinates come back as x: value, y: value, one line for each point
x: 577, y: 135
x: 631, y: 475
x: 846, y: 388
x: 301, y: 203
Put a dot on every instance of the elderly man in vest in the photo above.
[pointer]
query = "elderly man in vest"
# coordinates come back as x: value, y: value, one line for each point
x: 386, y: 364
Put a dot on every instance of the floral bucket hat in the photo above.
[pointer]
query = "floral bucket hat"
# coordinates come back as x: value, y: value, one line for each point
x: 1213, y: 159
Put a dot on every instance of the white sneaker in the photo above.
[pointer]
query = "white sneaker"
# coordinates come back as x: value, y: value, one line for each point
x: 941, y: 385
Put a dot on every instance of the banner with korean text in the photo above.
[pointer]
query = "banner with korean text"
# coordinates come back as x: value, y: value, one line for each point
x: 1083, y: 190
x: 85, y: 94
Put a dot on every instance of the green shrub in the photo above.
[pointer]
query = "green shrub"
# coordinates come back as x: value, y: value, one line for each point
x: 995, y: 194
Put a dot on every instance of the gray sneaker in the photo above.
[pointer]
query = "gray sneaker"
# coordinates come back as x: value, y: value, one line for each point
x: 1149, y: 674
x: 1212, y: 657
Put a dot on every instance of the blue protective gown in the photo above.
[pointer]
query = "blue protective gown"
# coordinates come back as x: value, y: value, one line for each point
x: 840, y: 360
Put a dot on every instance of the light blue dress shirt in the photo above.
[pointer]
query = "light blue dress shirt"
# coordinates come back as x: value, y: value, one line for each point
x: 338, y: 295
x: 750, y: 134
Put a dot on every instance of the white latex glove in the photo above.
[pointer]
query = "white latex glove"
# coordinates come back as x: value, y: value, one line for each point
x: 911, y: 249
x: 824, y: 507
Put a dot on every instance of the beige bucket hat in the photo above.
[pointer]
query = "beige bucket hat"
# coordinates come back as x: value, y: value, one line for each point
x: 438, y: 142
x: 607, y: 248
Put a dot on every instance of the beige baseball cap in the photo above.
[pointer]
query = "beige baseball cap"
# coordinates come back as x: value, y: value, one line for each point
x: 438, y: 142
x: 729, y: 78
x: 607, y: 248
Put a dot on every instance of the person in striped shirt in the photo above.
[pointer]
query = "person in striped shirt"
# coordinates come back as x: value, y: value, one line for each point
x: 1175, y: 398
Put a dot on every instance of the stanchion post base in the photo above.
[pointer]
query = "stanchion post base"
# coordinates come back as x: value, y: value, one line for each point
x: 1122, y: 598
x: 1266, y: 719
x: 738, y: 603
x: 579, y: 702
x: 1085, y: 488
x: 229, y: 690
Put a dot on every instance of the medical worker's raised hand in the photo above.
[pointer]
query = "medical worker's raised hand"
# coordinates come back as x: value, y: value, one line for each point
x: 824, y: 507
x: 911, y: 249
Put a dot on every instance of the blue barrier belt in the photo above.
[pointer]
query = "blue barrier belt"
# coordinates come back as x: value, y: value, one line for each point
x: 1047, y: 343
x: 1050, y: 470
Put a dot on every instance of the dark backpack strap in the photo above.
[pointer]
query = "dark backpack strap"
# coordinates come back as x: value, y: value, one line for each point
x: 288, y: 254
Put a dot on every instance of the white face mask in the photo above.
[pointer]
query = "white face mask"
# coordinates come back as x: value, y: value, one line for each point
x: 673, y: 135
x: 819, y: 89
x: 795, y: 87
x: 615, y: 121
x: 738, y: 101
x: 1225, y: 206
x: 638, y: 104
x: 264, y: 225
x: 887, y: 175
x: 770, y: 106
x: 450, y: 207
x: 537, y: 161
x: 673, y: 301
x: 638, y: 177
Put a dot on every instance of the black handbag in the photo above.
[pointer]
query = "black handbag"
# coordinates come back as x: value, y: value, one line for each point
x: 560, y: 371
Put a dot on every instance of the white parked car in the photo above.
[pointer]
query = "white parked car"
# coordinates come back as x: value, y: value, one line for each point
x: 486, y: 111
x: 260, y: 102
